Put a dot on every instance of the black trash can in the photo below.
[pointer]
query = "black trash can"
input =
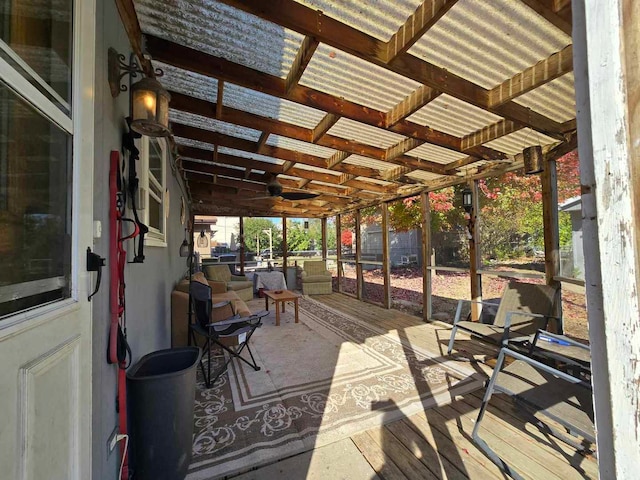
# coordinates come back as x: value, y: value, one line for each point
x: 161, y: 395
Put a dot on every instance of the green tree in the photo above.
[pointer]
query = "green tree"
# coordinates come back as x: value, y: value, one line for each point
x: 254, y: 229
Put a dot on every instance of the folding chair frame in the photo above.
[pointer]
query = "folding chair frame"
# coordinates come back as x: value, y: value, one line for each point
x: 493, y: 386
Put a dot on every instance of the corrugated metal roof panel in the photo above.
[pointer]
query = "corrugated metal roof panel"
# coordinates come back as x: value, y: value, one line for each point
x: 554, y: 100
x: 193, y: 143
x: 369, y: 162
x: 304, y: 147
x: 488, y: 42
x: 433, y: 153
x: 253, y: 156
x: 515, y: 142
x: 422, y: 175
x: 378, y: 18
x: 222, y: 31
x: 214, y: 125
x: 268, y: 106
x: 453, y: 116
x: 189, y: 83
x: 374, y: 180
x: 359, y: 132
x: 343, y: 75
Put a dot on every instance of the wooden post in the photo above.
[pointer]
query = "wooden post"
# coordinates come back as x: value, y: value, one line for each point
x: 285, y: 249
x: 242, y: 249
x: 386, y: 270
x: 426, y: 256
x: 607, y: 76
x: 359, y: 278
x: 339, y: 251
x: 323, y: 228
x: 474, y: 256
x: 549, y: 180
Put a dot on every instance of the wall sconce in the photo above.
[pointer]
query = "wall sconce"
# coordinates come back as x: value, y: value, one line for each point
x: 533, y: 160
x: 467, y: 199
x: 149, y: 101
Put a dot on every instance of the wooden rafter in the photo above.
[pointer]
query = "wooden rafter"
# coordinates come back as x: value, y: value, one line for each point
x: 489, y: 133
x: 328, y: 121
x: 219, y: 99
x: 425, y: 16
x: 533, y: 77
x: 205, y: 64
x: 414, y: 102
x: 307, y: 21
x: 303, y: 57
x: 245, y: 119
x: 262, y: 141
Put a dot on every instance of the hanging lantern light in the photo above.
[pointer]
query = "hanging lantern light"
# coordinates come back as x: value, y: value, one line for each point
x: 184, y: 248
x: 203, y: 241
x: 467, y: 199
x: 533, y: 160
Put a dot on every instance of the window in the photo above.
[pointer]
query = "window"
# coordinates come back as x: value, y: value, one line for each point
x: 35, y: 153
x: 153, y: 189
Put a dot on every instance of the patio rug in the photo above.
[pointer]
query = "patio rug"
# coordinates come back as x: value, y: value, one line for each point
x: 322, y: 380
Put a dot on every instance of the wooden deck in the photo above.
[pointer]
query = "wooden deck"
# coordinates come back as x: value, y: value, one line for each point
x: 437, y: 443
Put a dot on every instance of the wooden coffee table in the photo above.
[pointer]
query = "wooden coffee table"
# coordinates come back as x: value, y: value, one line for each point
x: 281, y: 297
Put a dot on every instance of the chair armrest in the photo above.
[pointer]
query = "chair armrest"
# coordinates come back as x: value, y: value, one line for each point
x: 229, y: 321
x: 508, y: 322
x: 238, y: 278
x: 217, y: 287
x: 224, y: 303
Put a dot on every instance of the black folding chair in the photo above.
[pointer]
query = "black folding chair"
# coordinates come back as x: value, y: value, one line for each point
x: 214, y: 332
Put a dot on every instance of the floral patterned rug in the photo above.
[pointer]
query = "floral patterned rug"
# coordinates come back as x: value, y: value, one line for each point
x: 321, y: 380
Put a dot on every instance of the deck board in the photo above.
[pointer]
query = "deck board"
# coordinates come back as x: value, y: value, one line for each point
x: 439, y: 439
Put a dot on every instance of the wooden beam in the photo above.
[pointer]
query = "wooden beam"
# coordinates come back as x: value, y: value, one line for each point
x: 549, y: 181
x: 242, y: 245
x: 201, y: 154
x: 425, y: 208
x: 489, y: 133
x: 307, y: 21
x: 339, y: 251
x: 474, y: 255
x: 359, y: 278
x: 411, y: 104
x: 127, y: 13
x: 328, y: 121
x: 554, y: 15
x: 533, y: 77
x: 425, y: 16
x: 323, y: 236
x: 285, y: 249
x: 303, y: 57
x: 386, y: 256
x: 219, y: 100
x: 205, y: 64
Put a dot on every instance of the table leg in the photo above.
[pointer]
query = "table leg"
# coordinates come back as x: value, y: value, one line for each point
x: 295, y: 303
x: 266, y: 303
x: 283, y: 304
x: 277, y: 314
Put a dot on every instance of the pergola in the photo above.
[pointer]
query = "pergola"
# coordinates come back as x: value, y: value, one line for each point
x: 360, y: 103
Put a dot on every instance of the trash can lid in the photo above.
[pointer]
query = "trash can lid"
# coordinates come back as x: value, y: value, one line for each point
x: 167, y: 362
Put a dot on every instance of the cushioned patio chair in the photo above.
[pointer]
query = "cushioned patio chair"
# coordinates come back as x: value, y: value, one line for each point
x: 238, y: 283
x: 524, y: 308
x: 205, y: 323
x: 542, y: 389
x: 316, y: 279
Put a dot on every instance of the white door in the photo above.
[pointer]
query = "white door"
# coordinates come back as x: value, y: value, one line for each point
x: 46, y: 147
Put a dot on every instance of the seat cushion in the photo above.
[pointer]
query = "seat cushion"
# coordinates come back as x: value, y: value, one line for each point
x: 316, y: 278
x: 235, y: 286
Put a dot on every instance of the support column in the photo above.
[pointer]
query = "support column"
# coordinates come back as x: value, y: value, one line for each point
x: 474, y: 255
x: 285, y: 249
x: 426, y: 256
x: 359, y: 278
x: 323, y: 229
x: 242, y: 249
x: 386, y: 271
x: 339, y: 251
x: 607, y: 77
x: 549, y: 180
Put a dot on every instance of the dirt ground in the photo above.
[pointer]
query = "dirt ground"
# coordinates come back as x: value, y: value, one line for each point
x: 448, y: 287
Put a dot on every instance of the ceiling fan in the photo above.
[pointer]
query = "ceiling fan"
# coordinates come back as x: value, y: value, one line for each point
x: 274, y: 188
